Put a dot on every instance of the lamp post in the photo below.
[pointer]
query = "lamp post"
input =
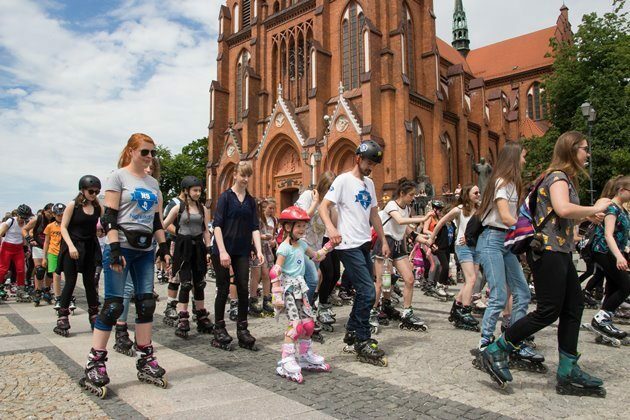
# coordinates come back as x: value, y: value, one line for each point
x: 312, y: 160
x: 590, y: 115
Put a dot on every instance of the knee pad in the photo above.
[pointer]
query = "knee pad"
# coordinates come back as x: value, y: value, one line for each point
x: 308, y: 326
x: 40, y: 272
x: 145, y: 307
x: 112, y: 309
x: 186, y: 286
x: 173, y: 286
x: 294, y: 330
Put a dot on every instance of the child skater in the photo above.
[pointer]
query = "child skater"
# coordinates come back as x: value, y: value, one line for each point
x: 290, y: 292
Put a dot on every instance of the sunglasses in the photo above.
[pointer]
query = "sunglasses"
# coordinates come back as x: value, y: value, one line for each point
x: 145, y: 152
x: 93, y: 192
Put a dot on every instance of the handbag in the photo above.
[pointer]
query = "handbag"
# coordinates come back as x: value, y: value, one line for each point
x: 474, y: 228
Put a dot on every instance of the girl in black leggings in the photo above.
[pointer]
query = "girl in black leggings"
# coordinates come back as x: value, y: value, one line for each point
x: 80, y: 249
x: 610, y: 251
x: 235, y: 225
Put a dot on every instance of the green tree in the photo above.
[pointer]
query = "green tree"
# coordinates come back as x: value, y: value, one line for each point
x: 593, y: 68
x: 191, y: 161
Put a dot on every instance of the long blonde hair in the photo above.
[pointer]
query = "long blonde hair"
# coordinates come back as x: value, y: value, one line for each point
x: 134, y: 142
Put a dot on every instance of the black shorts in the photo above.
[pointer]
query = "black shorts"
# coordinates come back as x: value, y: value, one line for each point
x: 397, y: 249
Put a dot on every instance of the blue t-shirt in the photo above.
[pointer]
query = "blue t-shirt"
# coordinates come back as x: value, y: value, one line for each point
x: 294, y: 257
x: 621, y: 232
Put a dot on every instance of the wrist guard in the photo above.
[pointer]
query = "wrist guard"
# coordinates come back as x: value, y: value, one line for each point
x: 114, y: 255
x: 163, y: 250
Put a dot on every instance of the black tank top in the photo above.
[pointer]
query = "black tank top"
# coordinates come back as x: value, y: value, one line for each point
x: 82, y: 226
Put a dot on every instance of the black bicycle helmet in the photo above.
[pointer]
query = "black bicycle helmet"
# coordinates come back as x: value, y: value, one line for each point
x: 437, y: 204
x: 24, y: 211
x: 89, y: 181
x: 58, y: 209
x: 370, y: 150
x: 191, y: 181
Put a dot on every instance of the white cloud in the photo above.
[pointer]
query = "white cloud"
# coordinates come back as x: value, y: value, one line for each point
x: 78, y: 96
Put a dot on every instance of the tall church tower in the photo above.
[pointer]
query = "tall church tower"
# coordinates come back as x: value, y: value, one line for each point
x: 460, y: 29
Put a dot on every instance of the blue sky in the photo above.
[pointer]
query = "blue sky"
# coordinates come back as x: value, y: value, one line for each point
x: 77, y: 77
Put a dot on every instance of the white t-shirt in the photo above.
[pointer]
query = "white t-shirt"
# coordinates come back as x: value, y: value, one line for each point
x: 315, y: 230
x: 14, y: 233
x: 507, y: 192
x: 391, y: 228
x: 354, y: 199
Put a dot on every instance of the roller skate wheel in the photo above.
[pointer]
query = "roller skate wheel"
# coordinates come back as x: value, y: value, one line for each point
x: 164, y: 383
x: 383, y: 362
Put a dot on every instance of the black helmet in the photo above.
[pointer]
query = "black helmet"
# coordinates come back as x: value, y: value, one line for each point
x: 48, y: 206
x: 89, y: 181
x: 24, y: 211
x: 191, y: 181
x: 370, y: 150
x: 58, y: 209
x: 437, y: 204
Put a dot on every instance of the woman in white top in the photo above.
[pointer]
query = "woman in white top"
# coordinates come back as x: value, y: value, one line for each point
x: 12, y: 248
x: 396, y: 220
x: 461, y: 310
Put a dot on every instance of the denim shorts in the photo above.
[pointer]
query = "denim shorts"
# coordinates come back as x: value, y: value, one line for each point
x: 466, y: 254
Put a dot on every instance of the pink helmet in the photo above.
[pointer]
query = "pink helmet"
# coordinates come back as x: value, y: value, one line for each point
x: 294, y: 214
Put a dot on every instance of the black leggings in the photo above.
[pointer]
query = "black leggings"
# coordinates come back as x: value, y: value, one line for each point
x: 442, y: 256
x: 558, y: 295
x: 597, y: 280
x: 240, y: 265
x: 330, y: 268
x: 70, y: 273
x: 617, y: 281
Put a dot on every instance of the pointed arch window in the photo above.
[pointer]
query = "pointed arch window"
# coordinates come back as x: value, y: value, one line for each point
x: 352, y: 44
x: 242, y: 85
x: 419, y: 163
x: 537, y: 108
x: 408, y: 49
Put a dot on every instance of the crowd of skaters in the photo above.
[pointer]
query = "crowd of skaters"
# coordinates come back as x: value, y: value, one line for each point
x: 334, y: 234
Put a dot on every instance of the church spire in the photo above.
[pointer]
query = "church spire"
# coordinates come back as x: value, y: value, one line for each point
x: 460, y: 29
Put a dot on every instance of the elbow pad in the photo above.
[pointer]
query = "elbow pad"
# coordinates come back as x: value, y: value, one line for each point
x: 109, y: 219
x: 157, y: 223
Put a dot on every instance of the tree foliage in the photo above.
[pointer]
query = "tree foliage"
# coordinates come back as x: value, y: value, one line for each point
x: 191, y: 161
x: 594, y: 69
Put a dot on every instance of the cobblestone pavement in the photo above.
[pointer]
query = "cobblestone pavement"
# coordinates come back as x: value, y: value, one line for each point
x: 429, y: 374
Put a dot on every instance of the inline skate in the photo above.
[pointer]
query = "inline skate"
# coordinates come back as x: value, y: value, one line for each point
x: 233, y: 312
x: 204, y: 324
x: 171, y: 316
x: 443, y: 292
x: 388, y: 309
x: 494, y: 359
x: 349, y: 339
x: 374, y: 324
x: 22, y: 296
x: 47, y: 296
x: 73, y: 304
x: 63, y: 324
x: 345, y: 296
x: 461, y: 317
x: 245, y: 339
x: 222, y: 339
x: 525, y: 358
x: 310, y: 361
x: 368, y: 352
x: 574, y: 381
x: 288, y: 367
x: 324, y: 318
x: 149, y: 370
x: 57, y: 303
x: 255, y: 309
x: 317, y: 333
x: 267, y: 307
x: 410, y: 321
x: 183, y: 325
x: 96, y: 379
x: 589, y: 301
x: 37, y: 297
x: 605, y: 331
x: 123, y: 343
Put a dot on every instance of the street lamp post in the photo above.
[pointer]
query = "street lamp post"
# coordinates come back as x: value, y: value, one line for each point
x: 312, y: 160
x: 590, y: 115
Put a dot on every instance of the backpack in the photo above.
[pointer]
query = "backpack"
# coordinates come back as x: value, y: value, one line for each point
x: 585, y: 246
x: 417, y: 260
x: 520, y: 236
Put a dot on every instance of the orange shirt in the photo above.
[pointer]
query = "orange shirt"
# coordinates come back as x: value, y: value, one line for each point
x: 53, y: 231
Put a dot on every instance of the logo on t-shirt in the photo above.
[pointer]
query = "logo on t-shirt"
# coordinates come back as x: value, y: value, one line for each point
x: 145, y: 199
x: 364, y: 198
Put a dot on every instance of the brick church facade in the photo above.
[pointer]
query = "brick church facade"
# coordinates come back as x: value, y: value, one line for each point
x: 300, y: 83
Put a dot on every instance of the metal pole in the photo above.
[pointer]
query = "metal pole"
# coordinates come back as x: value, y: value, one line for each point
x: 590, y: 159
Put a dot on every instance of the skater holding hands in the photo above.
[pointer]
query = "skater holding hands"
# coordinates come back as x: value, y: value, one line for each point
x: 290, y: 293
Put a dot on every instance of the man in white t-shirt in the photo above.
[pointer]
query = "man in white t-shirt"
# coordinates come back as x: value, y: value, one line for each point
x: 355, y: 197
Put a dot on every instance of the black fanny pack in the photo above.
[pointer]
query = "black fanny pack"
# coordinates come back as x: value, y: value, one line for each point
x: 138, y: 239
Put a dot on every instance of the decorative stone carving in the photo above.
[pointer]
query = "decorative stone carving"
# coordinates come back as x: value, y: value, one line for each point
x: 342, y: 124
x: 230, y: 150
x: 280, y: 119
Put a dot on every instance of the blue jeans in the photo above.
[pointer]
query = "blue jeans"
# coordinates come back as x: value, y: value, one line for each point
x: 139, y: 267
x: 128, y: 293
x: 311, y: 278
x: 502, y: 270
x: 358, y: 266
